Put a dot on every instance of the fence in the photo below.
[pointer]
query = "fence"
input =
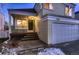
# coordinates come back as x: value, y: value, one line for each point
x: 4, y: 34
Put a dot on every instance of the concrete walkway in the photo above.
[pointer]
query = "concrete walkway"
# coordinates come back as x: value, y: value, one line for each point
x: 28, y: 47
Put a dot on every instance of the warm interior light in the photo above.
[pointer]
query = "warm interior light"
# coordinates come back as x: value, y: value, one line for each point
x: 68, y: 11
x: 24, y: 23
x: 48, y: 6
x: 18, y: 22
x: 21, y: 23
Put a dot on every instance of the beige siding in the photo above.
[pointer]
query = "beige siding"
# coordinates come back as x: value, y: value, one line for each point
x: 58, y: 9
x: 50, y: 32
x: 43, y: 31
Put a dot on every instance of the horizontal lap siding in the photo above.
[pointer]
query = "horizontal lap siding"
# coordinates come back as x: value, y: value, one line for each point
x: 44, y: 31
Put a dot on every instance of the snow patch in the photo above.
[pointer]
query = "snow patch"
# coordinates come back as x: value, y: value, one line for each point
x: 51, y: 51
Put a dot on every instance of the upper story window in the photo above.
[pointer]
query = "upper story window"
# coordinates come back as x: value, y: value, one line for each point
x: 48, y: 5
x: 68, y: 11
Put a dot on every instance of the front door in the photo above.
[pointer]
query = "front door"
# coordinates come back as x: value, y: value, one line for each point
x: 31, y: 25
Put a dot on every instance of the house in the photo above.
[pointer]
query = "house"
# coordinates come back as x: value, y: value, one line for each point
x: 54, y: 23
x: 1, y: 19
x: 1, y: 22
x: 3, y: 33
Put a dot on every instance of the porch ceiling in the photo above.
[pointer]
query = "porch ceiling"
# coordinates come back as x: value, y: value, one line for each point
x: 28, y: 12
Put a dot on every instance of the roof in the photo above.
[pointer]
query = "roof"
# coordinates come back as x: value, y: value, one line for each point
x: 28, y: 10
x: 77, y: 12
x: 73, y: 4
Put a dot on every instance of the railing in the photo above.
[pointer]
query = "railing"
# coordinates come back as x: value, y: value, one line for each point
x: 4, y: 34
x: 20, y: 29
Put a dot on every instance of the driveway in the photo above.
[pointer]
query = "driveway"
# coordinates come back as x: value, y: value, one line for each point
x: 69, y: 48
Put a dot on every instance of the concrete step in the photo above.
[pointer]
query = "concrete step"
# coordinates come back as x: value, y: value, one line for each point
x: 25, y: 36
x: 30, y: 36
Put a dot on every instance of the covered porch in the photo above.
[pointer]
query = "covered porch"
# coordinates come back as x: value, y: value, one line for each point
x: 23, y: 22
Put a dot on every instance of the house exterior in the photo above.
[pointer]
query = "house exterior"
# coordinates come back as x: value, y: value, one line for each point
x: 3, y: 33
x: 53, y: 22
x: 1, y: 19
x: 1, y: 22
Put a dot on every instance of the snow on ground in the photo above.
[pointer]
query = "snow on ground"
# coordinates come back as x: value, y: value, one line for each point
x: 39, y: 51
x: 51, y: 51
x: 46, y: 51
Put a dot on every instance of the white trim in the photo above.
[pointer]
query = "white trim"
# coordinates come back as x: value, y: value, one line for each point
x: 63, y: 19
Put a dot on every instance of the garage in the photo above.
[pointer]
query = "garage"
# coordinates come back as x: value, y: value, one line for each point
x: 64, y: 32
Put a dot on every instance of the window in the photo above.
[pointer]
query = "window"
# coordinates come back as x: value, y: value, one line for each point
x: 21, y: 23
x: 68, y: 11
x: 48, y: 5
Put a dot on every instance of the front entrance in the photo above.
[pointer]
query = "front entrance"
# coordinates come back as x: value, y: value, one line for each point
x: 31, y: 26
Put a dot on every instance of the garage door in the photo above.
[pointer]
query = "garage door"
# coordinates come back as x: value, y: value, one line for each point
x: 64, y: 33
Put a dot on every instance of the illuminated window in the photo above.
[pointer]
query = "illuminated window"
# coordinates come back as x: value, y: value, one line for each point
x: 48, y: 5
x: 21, y: 23
x: 24, y: 23
x: 68, y: 11
x: 18, y: 22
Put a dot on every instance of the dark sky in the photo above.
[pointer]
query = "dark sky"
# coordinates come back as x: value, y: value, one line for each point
x: 14, y: 6
x: 22, y: 5
x: 77, y: 7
